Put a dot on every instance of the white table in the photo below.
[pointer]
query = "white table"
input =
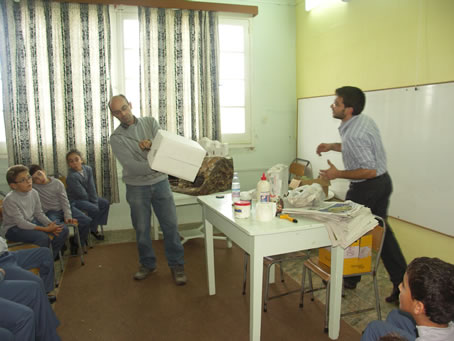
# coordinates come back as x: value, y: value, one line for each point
x: 265, y: 239
x: 197, y: 232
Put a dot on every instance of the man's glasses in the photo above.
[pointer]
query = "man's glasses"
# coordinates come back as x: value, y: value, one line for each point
x: 26, y: 179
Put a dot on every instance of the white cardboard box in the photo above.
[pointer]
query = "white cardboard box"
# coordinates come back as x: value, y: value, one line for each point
x: 176, y: 155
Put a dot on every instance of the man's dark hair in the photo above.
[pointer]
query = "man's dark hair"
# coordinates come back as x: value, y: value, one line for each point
x: 34, y: 168
x: 119, y: 95
x: 431, y: 282
x: 353, y: 98
x: 13, y: 172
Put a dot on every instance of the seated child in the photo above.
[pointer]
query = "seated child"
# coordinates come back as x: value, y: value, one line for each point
x: 17, y: 263
x: 26, y: 311
x: 81, y: 189
x: 55, y: 204
x: 426, y: 304
x: 23, y: 217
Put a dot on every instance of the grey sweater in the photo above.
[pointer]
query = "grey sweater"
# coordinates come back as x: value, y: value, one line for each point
x: 53, y: 197
x: 20, y: 208
x: 125, y: 146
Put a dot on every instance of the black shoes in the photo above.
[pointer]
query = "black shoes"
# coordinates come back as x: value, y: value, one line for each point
x: 52, y: 299
x: 97, y: 235
x: 394, y: 297
x: 73, y: 246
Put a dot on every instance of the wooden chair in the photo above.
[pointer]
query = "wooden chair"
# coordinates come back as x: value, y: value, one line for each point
x: 321, y: 270
x: 23, y: 246
x: 269, y: 262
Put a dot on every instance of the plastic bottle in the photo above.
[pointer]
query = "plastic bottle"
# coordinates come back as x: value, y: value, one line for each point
x: 235, y: 187
x: 263, y: 190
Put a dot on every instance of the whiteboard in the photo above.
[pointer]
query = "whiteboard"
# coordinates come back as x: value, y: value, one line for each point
x: 417, y: 129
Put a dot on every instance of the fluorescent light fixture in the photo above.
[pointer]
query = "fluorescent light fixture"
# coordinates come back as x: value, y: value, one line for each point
x: 310, y: 4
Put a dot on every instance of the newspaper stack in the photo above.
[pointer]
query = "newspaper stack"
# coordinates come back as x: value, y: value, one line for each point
x: 345, y: 221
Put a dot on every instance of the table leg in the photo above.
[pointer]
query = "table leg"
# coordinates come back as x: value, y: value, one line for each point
x: 337, y: 268
x: 209, y: 253
x: 255, y: 314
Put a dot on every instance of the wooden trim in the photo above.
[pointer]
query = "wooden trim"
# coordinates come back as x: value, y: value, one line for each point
x: 391, y: 88
x: 180, y: 4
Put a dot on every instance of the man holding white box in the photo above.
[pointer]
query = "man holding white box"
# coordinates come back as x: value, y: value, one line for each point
x: 146, y: 187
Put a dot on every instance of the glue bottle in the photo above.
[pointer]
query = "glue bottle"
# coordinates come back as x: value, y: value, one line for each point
x: 263, y: 190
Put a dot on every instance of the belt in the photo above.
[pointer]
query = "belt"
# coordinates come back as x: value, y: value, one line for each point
x: 378, y: 177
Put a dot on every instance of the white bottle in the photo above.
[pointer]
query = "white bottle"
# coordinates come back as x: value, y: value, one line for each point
x: 235, y: 187
x: 263, y: 190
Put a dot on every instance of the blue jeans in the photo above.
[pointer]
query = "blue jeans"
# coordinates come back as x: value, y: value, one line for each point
x: 40, y: 238
x: 398, y: 322
x: 98, y: 213
x: 160, y: 197
x: 17, y: 264
x: 83, y: 220
x: 26, y: 299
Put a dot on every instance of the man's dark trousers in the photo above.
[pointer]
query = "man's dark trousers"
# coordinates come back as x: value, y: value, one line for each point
x: 375, y: 193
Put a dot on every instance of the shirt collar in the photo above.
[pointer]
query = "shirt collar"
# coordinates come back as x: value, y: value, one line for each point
x: 345, y: 125
x: 126, y: 126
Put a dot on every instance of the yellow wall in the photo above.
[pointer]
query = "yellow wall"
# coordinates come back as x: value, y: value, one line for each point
x: 376, y: 44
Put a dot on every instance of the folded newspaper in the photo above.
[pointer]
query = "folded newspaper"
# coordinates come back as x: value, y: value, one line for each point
x: 345, y: 221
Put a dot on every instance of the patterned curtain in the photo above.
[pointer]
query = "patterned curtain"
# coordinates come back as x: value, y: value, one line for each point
x: 55, y: 60
x: 179, y: 71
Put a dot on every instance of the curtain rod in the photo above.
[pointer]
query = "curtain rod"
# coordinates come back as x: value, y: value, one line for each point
x: 180, y: 4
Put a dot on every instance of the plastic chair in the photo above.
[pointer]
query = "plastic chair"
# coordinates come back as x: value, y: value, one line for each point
x: 298, y: 168
x: 321, y: 270
x: 270, y: 261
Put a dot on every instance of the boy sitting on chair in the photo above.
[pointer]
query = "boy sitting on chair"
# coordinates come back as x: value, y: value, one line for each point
x: 25, y: 309
x: 23, y: 217
x: 426, y: 304
x: 55, y: 204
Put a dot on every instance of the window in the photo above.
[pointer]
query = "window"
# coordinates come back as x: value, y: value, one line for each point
x: 234, y: 80
x: 234, y: 76
x: 125, y: 54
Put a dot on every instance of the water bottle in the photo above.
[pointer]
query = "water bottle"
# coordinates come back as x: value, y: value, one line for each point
x: 235, y: 187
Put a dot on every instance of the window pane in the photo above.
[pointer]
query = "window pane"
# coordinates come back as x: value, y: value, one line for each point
x: 231, y: 38
x: 132, y: 63
x: 132, y: 93
x: 233, y: 120
x: 231, y: 65
x: 130, y: 33
x: 231, y: 93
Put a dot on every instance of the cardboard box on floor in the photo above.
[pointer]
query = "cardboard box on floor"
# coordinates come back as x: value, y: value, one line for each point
x: 323, y: 182
x: 176, y: 155
x: 357, y: 257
